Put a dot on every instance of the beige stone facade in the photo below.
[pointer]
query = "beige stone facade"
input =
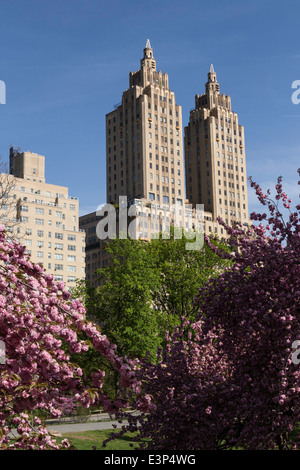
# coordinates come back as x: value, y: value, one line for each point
x: 95, y: 255
x: 215, y: 160
x: 144, y: 145
x: 45, y: 219
x: 145, y: 161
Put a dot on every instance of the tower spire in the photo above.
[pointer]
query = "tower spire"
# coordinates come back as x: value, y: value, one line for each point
x: 148, y: 59
x: 212, y: 85
x: 212, y: 77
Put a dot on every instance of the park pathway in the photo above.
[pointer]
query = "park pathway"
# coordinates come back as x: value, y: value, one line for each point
x: 81, y: 427
x: 95, y: 423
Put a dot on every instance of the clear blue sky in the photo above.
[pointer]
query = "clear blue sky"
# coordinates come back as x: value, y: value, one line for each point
x: 66, y: 63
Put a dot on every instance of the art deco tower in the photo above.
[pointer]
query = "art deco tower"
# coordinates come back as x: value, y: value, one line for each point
x: 144, y: 148
x: 215, y: 161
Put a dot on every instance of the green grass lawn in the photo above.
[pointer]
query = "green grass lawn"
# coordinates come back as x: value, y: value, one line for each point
x: 89, y: 439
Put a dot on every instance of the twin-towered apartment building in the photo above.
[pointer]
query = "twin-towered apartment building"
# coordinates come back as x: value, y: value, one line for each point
x: 152, y: 163
x: 157, y: 164
x: 144, y: 147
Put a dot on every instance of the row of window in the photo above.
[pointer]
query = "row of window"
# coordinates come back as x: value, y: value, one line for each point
x: 163, y: 169
x: 41, y: 211
x: 164, y: 149
x: 58, y: 235
x: 40, y: 244
x: 230, y: 175
x: 164, y: 158
x: 72, y: 206
x: 229, y: 157
x: 38, y: 191
x: 60, y: 267
x: 233, y: 213
x: 162, y: 119
x: 162, y: 98
x: 58, y: 246
x: 165, y: 189
x: 38, y: 221
x: 223, y: 147
x: 232, y: 194
x: 163, y: 129
x: 228, y: 128
x: 165, y: 199
x: 231, y: 203
x: 59, y: 278
x: 165, y: 179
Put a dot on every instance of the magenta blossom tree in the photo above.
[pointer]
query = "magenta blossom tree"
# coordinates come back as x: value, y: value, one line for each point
x: 182, y: 394
x: 234, y: 383
x: 255, y: 308
x: 40, y: 328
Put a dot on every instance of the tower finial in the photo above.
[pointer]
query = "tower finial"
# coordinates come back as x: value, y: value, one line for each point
x: 148, y: 45
x: 211, y: 70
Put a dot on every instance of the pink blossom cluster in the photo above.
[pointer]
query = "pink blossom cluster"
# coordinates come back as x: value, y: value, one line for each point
x: 255, y: 307
x: 228, y: 381
x: 41, y: 326
x: 182, y: 393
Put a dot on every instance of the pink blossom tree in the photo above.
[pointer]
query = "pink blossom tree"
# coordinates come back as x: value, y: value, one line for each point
x: 41, y: 327
x: 255, y: 308
x: 234, y: 384
x: 182, y: 394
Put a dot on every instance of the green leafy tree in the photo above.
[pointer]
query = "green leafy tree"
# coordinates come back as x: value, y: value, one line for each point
x: 123, y: 303
x: 182, y: 272
x: 146, y: 290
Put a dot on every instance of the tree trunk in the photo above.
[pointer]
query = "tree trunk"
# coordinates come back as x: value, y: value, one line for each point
x: 282, y: 441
